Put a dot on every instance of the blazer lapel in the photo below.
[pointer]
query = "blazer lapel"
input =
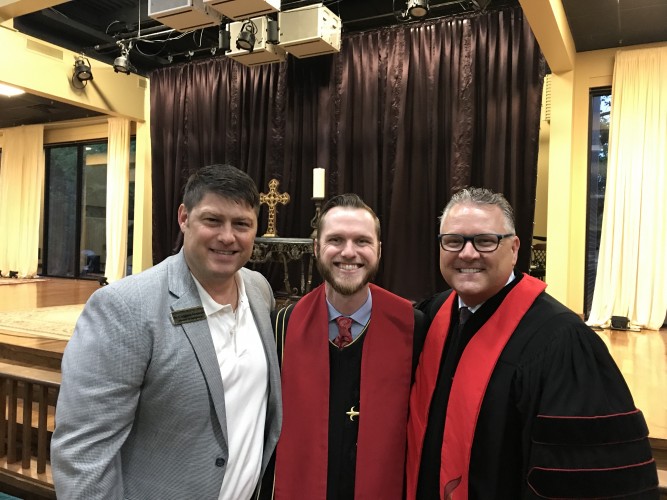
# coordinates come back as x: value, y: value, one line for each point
x: 198, y: 333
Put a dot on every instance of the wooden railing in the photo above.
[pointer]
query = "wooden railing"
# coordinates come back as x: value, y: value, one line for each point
x: 28, y: 398
x: 25, y: 467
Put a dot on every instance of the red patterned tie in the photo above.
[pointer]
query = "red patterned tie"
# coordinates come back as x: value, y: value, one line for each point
x: 344, y: 332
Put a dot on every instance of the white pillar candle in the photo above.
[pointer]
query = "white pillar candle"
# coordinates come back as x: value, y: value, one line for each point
x: 318, y: 183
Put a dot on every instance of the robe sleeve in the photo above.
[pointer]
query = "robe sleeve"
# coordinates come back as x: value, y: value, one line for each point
x: 583, y: 437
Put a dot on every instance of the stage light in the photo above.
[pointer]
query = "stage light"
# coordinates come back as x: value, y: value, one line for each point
x: 272, y: 32
x: 9, y: 91
x: 261, y: 51
x: 224, y: 39
x: 102, y: 281
x: 13, y: 274
x: 417, y: 8
x: 82, y: 71
x: 246, y: 38
x: 122, y: 63
x: 620, y: 323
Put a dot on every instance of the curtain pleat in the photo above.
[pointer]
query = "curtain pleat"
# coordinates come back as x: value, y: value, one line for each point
x: 21, y: 188
x: 403, y: 116
x: 118, y: 181
x: 631, y: 269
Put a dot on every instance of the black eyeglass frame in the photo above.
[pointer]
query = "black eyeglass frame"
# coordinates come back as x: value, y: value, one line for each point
x: 471, y: 239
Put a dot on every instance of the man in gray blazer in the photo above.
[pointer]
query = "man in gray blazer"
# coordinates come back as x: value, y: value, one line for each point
x: 170, y: 382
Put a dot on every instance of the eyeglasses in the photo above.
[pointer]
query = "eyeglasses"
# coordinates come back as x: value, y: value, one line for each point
x: 482, y: 242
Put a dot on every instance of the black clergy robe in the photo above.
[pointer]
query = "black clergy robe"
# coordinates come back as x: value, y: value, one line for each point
x: 330, y: 455
x: 556, y: 420
x: 344, y: 397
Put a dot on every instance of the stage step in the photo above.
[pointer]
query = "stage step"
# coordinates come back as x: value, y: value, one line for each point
x: 40, y: 353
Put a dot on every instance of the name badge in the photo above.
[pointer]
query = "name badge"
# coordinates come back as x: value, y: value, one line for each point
x: 189, y: 315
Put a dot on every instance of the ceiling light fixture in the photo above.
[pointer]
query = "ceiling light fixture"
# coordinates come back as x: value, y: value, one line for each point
x: 224, y: 38
x: 246, y: 38
x: 82, y: 72
x: 9, y: 91
x: 122, y: 63
x: 272, y: 31
x: 417, y: 9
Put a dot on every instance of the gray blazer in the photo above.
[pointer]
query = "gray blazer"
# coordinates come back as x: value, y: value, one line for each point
x: 141, y: 411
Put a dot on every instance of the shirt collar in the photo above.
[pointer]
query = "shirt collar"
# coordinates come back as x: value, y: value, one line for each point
x: 361, y: 315
x: 473, y: 309
x: 211, y: 306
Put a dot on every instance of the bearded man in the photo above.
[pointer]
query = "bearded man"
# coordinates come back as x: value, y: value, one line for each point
x: 349, y: 350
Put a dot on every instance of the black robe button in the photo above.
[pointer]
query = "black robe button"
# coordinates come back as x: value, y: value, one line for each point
x: 219, y: 462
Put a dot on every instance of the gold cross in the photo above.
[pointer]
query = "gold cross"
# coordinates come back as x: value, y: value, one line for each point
x: 271, y: 199
x: 352, y: 413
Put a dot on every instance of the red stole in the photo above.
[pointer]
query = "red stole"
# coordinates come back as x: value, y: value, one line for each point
x: 468, y: 387
x: 386, y: 369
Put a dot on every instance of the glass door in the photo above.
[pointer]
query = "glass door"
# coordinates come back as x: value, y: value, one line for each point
x: 61, y: 249
x: 75, y: 210
x: 92, y: 241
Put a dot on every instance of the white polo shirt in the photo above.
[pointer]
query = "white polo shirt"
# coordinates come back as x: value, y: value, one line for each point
x: 244, y: 371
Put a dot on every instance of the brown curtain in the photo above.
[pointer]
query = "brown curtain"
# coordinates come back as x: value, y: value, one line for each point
x: 403, y: 116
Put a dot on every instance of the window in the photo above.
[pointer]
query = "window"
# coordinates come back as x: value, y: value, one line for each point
x: 600, y: 113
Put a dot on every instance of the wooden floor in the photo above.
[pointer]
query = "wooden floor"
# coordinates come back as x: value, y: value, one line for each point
x: 641, y: 356
x: 53, y: 292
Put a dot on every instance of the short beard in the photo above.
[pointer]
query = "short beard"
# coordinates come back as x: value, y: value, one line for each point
x: 345, y: 289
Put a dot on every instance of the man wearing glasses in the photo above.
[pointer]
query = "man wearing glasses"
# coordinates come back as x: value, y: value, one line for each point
x: 514, y: 396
